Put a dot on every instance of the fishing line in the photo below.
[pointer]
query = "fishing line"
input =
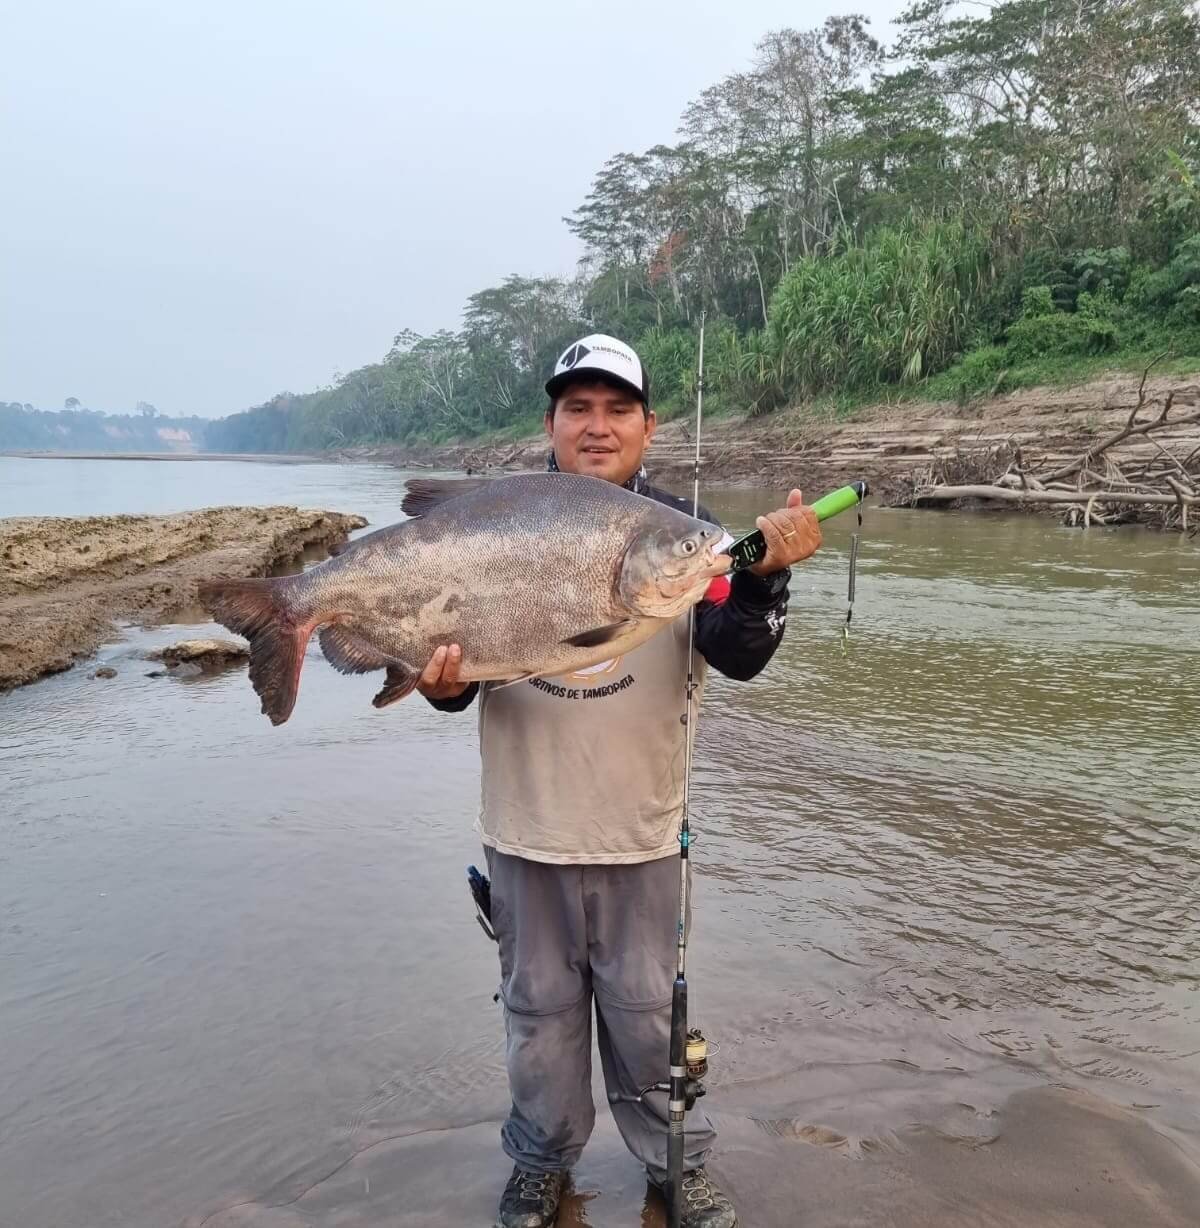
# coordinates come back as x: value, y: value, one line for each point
x: 688, y: 1051
x: 850, y: 587
x: 683, y: 1086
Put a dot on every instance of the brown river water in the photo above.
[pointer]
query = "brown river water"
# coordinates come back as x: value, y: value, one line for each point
x: 947, y: 907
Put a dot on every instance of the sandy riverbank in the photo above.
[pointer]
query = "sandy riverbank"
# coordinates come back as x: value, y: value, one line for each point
x: 65, y: 581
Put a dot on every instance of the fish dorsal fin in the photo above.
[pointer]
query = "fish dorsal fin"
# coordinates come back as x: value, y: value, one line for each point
x: 424, y: 494
x: 599, y: 635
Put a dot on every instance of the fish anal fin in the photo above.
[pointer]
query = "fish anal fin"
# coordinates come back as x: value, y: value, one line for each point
x: 424, y: 494
x: 400, y: 682
x: 254, y: 608
x: 595, y: 636
x: 348, y: 653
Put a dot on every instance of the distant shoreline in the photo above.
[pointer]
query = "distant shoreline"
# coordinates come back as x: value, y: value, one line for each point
x: 276, y: 458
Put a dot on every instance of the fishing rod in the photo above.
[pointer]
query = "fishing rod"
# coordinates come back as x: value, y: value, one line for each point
x: 683, y: 1086
x: 688, y: 1051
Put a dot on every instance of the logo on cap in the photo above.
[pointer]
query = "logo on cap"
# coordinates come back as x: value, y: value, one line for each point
x: 576, y: 354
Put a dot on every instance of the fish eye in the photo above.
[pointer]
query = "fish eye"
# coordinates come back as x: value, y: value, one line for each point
x: 689, y: 546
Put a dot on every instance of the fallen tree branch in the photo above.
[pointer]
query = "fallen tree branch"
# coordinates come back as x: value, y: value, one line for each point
x: 946, y: 494
x: 1128, y: 431
x: 1185, y: 498
x: 1145, y: 374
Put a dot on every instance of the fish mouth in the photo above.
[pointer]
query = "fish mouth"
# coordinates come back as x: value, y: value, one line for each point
x: 714, y: 564
x: 670, y: 588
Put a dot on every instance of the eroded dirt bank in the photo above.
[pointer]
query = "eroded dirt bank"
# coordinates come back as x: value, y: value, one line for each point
x: 64, y: 581
x: 893, y: 446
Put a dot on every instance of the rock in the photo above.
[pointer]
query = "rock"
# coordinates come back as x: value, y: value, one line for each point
x: 105, y: 671
x: 208, y: 655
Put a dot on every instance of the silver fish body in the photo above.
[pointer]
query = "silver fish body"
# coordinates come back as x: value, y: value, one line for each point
x: 535, y: 574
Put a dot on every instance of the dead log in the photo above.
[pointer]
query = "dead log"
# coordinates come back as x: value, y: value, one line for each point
x: 946, y: 494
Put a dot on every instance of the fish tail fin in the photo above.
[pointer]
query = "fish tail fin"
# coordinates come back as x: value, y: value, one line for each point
x: 256, y: 609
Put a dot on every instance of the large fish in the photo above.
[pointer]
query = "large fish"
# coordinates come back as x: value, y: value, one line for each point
x: 536, y: 574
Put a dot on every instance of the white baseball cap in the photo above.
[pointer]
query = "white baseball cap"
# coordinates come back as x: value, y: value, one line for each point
x: 603, y: 358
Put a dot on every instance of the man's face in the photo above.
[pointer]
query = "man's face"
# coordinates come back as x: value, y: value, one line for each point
x: 599, y: 431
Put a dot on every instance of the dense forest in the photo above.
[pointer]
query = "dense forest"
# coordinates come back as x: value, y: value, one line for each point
x: 77, y: 429
x: 1005, y: 194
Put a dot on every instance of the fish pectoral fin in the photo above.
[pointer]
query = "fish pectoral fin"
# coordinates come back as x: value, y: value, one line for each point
x: 600, y: 635
x: 400, y: 682
x: 424, y: 494
x: 349, y: 654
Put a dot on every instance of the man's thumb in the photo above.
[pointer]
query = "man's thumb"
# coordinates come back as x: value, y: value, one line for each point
x: 795, y: 499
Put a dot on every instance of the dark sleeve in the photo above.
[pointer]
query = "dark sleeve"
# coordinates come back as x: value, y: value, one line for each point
x: 459, y: 704
x: 740, y: 623
x: 737, y: 632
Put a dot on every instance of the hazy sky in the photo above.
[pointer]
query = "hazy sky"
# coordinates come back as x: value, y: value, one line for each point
x: 206, y: 203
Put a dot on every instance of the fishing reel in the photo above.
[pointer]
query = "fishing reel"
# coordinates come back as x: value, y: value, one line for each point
x: 697, y: 1068
x: 697, y: 1054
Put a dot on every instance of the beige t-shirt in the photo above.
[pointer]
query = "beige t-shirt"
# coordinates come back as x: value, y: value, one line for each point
x: 588, y: 767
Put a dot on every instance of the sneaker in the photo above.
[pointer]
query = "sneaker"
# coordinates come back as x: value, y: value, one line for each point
x: 530, y: 1200
x: 704, y: 1206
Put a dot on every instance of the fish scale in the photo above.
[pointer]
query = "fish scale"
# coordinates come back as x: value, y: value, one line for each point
x: 532, y: 575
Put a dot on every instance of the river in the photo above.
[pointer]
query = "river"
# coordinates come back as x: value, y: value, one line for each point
x: 953, y: 865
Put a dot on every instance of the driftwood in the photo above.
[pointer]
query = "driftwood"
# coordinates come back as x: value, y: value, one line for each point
x: 939, y: 494
x: 1111, y: 482
x: 490, y: 456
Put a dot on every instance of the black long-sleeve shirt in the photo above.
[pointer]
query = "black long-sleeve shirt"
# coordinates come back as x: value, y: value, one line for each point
x: 739, y: 624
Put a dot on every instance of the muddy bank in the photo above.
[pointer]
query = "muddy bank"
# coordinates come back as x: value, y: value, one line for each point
x: 65, y: 581
x: 892, y: 446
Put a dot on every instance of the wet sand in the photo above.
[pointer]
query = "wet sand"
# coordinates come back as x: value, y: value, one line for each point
x: 64, y: 581
x: 1051, y: 1158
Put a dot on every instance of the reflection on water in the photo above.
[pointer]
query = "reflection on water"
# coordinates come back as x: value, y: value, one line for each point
x: 958, y: 861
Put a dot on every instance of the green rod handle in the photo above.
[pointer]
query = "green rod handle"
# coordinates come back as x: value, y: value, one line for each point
x: 840, y: 500
x: 748, y: 550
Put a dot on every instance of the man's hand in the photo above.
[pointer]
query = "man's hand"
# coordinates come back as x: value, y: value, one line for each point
x: 792, y: 534
x: 439, y: 679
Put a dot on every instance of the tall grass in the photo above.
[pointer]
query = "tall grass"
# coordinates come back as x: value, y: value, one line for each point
x: 893, y: 309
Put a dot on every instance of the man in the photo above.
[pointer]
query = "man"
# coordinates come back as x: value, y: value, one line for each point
x: 582, y: 795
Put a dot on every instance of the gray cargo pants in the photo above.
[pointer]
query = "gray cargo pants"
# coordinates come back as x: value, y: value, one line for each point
x: 567, y: 933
